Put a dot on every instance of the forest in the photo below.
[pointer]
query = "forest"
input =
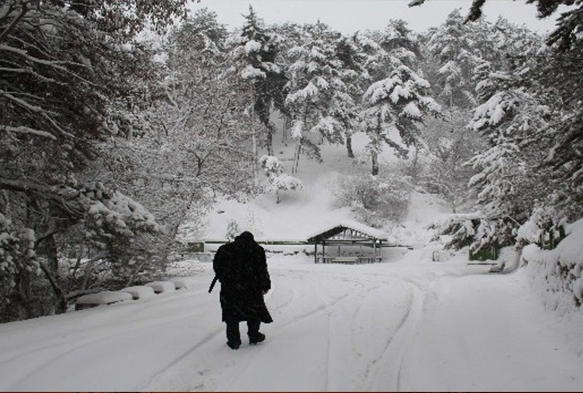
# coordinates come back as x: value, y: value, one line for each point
x: 123, y: 121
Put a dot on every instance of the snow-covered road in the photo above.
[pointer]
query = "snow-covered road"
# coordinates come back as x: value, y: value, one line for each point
x: 408, y: 325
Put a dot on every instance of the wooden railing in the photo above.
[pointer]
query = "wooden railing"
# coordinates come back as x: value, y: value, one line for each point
x: 349, y: 260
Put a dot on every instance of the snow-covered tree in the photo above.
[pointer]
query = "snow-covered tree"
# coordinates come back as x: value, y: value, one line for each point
x: 255, y: 53
x: 400, y: 44
x: 199, y: 142
x: 397, y: 103
x: 513, y: 119
x: 447, y: 146
x: 454, y: 49
x: 278, y: 180
x: 315, y: 89
x: 62, y: 66
x: 357, y: 55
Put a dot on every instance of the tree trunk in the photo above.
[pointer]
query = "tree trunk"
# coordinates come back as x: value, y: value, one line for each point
x: 255, y: 167
x: 297, y: 154
x: 52, y: 273
x: 349, y: 146
x: 286, y: 126
x: 269, y: 140
x: 375, y: 163
x: 415, y: 166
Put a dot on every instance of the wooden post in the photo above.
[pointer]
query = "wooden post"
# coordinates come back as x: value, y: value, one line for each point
x: 380, y: 250
x: 316, y: 251
x: 324, y: 251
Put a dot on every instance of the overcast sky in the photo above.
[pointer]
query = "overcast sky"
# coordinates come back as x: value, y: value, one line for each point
x: 348, y: 16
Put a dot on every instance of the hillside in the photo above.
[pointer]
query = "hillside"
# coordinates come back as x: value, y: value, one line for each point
x: 304, y: 212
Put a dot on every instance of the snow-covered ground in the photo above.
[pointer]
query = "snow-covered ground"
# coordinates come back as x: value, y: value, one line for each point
x: 405, y: 324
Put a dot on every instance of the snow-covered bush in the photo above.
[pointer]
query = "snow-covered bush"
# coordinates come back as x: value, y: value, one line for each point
x: 476, y: 231
x: 544, y: 227
x: 278, y: 181
x: 18, y: 264
x: 232, y: 230
x: 374, y: 199
x: 16, y: 252
x: 557, y: 273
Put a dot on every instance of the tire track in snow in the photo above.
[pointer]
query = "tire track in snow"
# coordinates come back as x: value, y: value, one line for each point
x: 104, y: 322
x: 386, y: 374
x: 324, y: 304
x: 74, y: 347
x: 324, y: 307
x: 289, y: 296
x: 159, y: 377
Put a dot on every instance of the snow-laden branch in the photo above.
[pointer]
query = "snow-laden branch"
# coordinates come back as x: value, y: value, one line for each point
x: 5, y: 11
x: 36, y: 109
x: 27, y: 130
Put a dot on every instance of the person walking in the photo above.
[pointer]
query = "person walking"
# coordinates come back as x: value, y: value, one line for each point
x: 241, y: 268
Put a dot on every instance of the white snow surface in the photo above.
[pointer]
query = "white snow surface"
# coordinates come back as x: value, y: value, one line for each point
x: 406, y: 324
x: 162, y: 286
x: 139, y: 291
x: 104, y: 297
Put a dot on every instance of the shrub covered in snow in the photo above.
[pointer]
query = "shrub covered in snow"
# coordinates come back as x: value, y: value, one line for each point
x: 162, y: 286
x: 16, y: 252
x: 18, y: 263
x: 476, y: 231
x: 101, y: 298
x: 278, y: 181
x: 557, y: 273
x: 374, y: 199
x: 139, y: 291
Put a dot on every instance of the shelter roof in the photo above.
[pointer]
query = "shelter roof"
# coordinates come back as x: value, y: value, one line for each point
x: 356, y: 231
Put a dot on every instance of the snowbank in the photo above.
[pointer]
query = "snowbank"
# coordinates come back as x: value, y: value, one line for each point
x: 139, y: 292
x: 162, y: 286
x: 97, y: 299
x: 178, y: 282
x: 556, y: 275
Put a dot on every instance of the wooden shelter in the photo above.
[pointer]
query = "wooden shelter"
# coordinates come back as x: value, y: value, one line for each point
x: 345, y: 243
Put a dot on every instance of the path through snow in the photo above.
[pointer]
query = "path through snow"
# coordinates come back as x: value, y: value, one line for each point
x: 407, y: 325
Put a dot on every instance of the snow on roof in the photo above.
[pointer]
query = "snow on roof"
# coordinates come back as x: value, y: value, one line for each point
x: 370, y: 231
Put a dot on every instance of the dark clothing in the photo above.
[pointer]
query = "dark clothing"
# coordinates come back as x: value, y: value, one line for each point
x: 233, y: 334
x: 241, y: 268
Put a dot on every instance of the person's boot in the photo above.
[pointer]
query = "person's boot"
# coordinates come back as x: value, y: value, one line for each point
x: 233, y: 344
x: 233, y: 335
x: 256, y: 338
x: 253, y: 332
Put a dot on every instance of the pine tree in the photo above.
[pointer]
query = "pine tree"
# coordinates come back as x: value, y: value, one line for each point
x: 454, y: 50
x: 357, y: 55
x: 397, y: 103
x: 255, y: 52
x: 315, y: 86
x: 513, y: 118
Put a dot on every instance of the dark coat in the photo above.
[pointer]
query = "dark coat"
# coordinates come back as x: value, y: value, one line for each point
x: 241, y: 268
